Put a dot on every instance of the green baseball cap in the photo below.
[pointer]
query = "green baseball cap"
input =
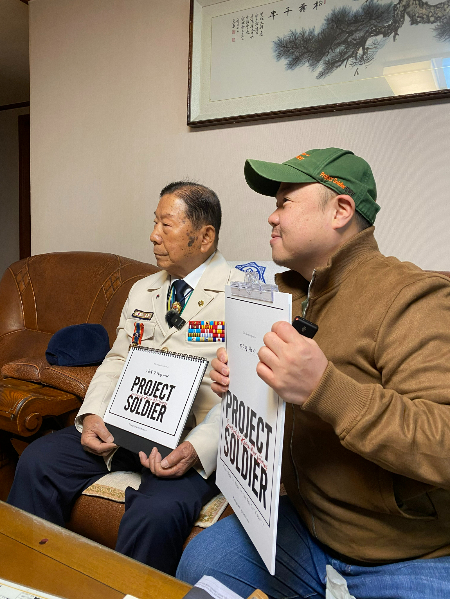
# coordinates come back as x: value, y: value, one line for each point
x: 340, y: 170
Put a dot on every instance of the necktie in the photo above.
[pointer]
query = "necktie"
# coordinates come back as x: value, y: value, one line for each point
x: 181, y: 290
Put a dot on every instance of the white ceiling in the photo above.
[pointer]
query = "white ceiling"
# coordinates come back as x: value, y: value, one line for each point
x: 14, y: 64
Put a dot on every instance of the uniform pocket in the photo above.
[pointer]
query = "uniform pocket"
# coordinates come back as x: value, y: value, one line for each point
x: 148, y: 328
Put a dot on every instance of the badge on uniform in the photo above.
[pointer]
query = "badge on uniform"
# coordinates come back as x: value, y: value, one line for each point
x: 209, y: 331
x: 142, y: 315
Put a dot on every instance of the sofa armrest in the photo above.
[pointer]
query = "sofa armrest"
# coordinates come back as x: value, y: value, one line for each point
x: 23, y: 405
x: 71, y: 379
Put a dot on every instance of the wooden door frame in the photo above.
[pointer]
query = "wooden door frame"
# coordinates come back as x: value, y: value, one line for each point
x: 24, y: 186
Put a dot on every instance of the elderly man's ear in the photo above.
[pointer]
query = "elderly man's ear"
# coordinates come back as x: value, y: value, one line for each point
x: 208, y: 238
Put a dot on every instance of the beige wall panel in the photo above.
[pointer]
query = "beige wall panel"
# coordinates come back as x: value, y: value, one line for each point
x: 108, y: 131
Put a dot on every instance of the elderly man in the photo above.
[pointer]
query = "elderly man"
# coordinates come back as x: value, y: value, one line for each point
x: 55, y: 469
x: 366, y: 461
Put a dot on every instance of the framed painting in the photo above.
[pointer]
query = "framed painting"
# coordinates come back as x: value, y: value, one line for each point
x: 252, y: 59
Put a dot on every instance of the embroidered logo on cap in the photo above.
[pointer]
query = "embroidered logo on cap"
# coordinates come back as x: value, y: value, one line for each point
x: 344, y: 187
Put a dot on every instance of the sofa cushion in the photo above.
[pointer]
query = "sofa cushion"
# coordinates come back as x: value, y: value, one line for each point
x: 72, y: 379
x: 112, y: 486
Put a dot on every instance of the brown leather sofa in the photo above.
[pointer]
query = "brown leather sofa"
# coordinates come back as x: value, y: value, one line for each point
x: 39, y: 296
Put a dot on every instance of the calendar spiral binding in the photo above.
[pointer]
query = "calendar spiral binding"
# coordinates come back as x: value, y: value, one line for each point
x: 169, y: 353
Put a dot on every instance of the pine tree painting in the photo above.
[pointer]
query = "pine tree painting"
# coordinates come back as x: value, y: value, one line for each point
x: 353, y: 37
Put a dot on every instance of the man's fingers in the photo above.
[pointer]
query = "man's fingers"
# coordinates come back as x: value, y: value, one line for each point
x: 173, y: 458
x: 219, y: 367
x: 174, y: 465
x: 274, y: 342
x: 222, y: 355
x: 219, y: 378
x: 167, y: 472
x: 291, y: 364
x: 267, y: 356
x: 94, y: 445
x: 144, y: 460
x: 158, y: 459
x: 95, y: 437
x: 174, y: 472
x: 219, y: 389
x: 286, y: 331
x: 220, y: 372
x: 265, y: 373
x: 106, y: 448
x: 183, y: 453
x: 104, y: 433
x: 151, y: 459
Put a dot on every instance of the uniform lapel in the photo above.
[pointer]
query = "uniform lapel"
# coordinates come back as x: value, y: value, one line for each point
x: 197, y: 302
x: 213, y: 280
x: 160, y: 303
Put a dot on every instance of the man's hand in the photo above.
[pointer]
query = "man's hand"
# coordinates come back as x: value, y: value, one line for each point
x: 220, y: 372
x: 290, y: 363
x: 174, y: 465
x: 95, y: 437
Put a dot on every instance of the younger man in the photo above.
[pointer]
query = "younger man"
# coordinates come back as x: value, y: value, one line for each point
x: 366, y: 461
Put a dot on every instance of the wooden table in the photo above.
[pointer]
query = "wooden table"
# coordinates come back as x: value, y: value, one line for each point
x: 46, y: 557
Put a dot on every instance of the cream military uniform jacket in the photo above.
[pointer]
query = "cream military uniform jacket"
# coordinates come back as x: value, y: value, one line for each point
x: 147, y: 304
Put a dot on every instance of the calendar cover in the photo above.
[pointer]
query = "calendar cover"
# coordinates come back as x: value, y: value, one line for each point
x: 153, y: 398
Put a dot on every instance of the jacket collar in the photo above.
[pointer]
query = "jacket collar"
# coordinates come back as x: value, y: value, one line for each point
x: 359, y: 248
x: 158, y: 280
x: 213, y: 281
x: 213, y: 277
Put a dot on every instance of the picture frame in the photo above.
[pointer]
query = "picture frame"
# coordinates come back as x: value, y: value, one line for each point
x: 259, y: 59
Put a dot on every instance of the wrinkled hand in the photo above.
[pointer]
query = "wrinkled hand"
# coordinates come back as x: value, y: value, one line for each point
x: 95, y: 437
x: 174, y: 465
x: 220, y: 372
x: 290, y: 363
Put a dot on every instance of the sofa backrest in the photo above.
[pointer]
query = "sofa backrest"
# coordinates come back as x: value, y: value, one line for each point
x: 42, y: 294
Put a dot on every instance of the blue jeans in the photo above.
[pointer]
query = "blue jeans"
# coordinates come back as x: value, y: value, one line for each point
x: 225, y: 552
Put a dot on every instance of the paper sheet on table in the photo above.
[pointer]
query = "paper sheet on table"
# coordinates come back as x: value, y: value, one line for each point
x: 12, y: 590
x: 210, y: 588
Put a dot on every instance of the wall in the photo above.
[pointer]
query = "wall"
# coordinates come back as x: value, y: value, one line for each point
x: 108, y: 131
x: 9, y: 187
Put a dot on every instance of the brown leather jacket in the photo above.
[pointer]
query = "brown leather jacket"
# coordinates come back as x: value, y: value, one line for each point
x: 367, y: 458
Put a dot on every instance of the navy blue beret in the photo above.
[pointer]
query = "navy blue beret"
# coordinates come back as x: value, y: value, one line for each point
x: 78, y: 345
